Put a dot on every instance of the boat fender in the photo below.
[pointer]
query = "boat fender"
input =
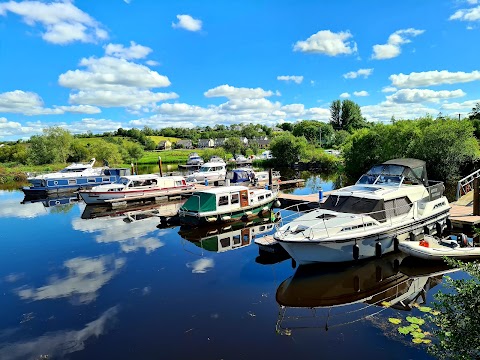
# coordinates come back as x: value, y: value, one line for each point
x: 277, y: 203
x: 412, y: 236
x: 395, y: 244
x: 448, y: 222
x: 438, y: 228
x: 294, y: 263
x: 378, y: 249
x: 356, y: 252
x: 462, y: 240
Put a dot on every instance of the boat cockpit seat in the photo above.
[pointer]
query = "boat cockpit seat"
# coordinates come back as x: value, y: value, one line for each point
x: 449, y: 242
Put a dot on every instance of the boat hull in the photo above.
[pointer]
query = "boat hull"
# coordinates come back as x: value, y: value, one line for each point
x: 416, y: 250
x: 358, y: 248
x: 92, y: 197
x: 236, y: 215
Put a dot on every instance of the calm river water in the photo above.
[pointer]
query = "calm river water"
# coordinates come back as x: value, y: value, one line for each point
x: 89, y: 283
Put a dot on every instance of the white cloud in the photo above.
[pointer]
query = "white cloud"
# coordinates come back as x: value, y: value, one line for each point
x: 361, y: 72
x: 58, y: 344
x: 188, y: 23
x: 124, y: 97
x: 388, y: 89
x: 422, y: 95
x: 109, y: 73
x: 135, y: 51
x: 152, y: 63
x: 384, y: 111
x: 114, y: 82
x: 392, y: 48
x: 328, y: 43
x: 29, y: 103
x: 85, y: 277
x: 201, y: 266
x: 62, y: 22
x: 294, y: 78
x: 429, y: 78
x: 248, y: 106
x: 232, y: 92
x: 94, y: 125
x: 360, y: 93
x: 466, y: 105
x: 472, y: 14
x: 344, y: 95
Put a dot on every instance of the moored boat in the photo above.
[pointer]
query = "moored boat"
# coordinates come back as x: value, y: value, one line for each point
x: 72, y: 178
x: 210, y: 171
x: 225, y: 204
x: 392, y: 202
x: 194, y: 160
x: 433, y: 248
x: 136, y: 187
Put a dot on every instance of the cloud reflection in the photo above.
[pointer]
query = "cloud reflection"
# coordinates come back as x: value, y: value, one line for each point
x: 12, y: 208
x: 85, y: 277
x: 58, y: 344
x: 131, y: 236
x: 201, y: 266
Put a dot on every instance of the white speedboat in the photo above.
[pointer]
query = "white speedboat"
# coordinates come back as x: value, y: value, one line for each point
x: 136, y: 187
x: 211, y: 171
x: 433, y: 248
x: 216, y: 158
x: 391, y: 203
x: 195, y: 160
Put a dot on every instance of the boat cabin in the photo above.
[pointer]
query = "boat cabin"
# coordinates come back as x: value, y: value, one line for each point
x: 148, y: 181
x: 396, y: 172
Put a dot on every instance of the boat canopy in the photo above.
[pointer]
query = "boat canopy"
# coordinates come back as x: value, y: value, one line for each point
x: 200, y: 202
x: 413, y: 172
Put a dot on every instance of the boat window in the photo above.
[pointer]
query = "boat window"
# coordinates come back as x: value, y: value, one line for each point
x: 235, y: 198
x: 393, y: 180
x: 223, y: 200
x: 73, y: 181
x: 91, y: 180
x: 236, y: 240
x: 225, y: 242
x: 178, y: 183
x: 354, y: 205
x: 367, y: 179
x: 268, y: 195
x: 396, y: 207
x: 123, y: 181
x: 261, y: 197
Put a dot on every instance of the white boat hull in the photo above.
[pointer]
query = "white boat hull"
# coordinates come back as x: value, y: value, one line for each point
x: 342, y: 250
x: 414, y: 248
x: 92, y: 197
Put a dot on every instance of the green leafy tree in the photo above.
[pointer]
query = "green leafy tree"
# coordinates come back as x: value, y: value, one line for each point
x: 134, y: 151
x: 286, y: 126
x: 346, y: 115
x: 106, y: 151
x: 79, y: 151
x: 288, y: 149
x: 475, y: 114
x: 253, y: 145
x: 458, y: 320
x: 60, y: 141
x: 233, y: 145
x: 40, y: 151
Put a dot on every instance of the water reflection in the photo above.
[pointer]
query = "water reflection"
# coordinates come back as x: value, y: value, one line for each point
x: 59, y: 343
x: 328, y: 296
x: 133, y: 227
x: 85, y: 277
x: 221, y: 238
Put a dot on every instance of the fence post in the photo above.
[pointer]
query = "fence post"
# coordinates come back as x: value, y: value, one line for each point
x: 160, y: 166
x: 476, y: 198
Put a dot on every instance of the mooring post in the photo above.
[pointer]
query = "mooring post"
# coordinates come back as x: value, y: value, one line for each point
x: 270, y: 178
x: 160, y: 165
x: 476, y: 198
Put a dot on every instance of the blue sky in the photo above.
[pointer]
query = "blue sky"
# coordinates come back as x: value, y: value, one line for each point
x: 100, y: 65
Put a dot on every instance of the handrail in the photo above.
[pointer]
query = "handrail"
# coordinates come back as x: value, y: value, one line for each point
x: 463, y: 185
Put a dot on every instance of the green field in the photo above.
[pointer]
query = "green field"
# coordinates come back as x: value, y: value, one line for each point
x: 157, y: 139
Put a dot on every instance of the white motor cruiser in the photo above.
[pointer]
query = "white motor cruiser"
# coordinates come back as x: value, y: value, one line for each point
x: 392, y: 202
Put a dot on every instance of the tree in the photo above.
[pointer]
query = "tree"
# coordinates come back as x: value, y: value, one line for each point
x: 233, y: 145
x: 346, y: 115
x: 134, y: 151
x: 475, y: 114
x: 288, y: 149
x: 253, y: 146
x: 458, y: 318
x: 106, y: 151
x: 335, y: 114
x: 286, y: 126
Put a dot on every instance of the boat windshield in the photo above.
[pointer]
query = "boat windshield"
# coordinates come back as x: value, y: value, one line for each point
x: 71, y: 170
x: 205, y: 169
x: 122, y: 180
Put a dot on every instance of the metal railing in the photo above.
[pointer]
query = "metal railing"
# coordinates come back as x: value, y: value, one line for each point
x: 465, y: 185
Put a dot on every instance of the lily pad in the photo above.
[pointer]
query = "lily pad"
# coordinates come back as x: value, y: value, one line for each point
x: 417, y: 334
x: 395, y: 321
x: 435, y: 312
x: 417, y: 341
x: 386, y: 304
x: 415, y: 320
x: 426, y: 341
x: 405, y: 330
x: 425, y: 309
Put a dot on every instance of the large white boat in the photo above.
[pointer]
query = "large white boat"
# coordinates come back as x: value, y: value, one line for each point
x: 72, y: 178
x: 392, y: 202
x: 211, y: 171
x: 194, y: 160
x: 136, y: 187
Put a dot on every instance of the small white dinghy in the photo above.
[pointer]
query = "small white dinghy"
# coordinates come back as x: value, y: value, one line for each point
x: 432, y: 248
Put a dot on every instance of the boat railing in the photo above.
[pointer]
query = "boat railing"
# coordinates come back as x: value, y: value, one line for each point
x: 465, y: 185
x: 366, y: 221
